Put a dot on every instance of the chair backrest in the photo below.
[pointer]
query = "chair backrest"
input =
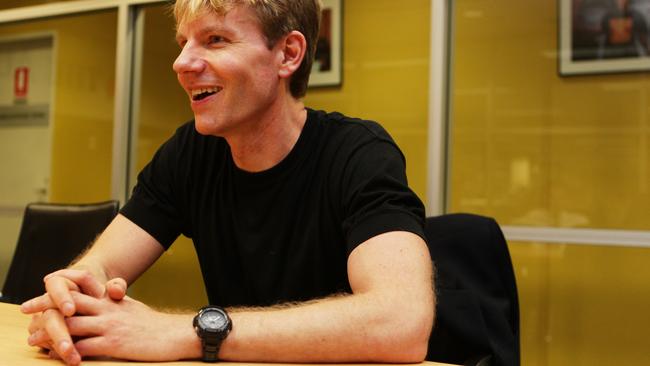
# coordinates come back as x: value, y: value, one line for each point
x: 51, y: 236
x: 477, y: 312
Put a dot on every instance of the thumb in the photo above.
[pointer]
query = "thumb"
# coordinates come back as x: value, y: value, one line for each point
x: 116, y: 288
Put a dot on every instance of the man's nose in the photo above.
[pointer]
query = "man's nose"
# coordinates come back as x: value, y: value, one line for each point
x: 189, y: 60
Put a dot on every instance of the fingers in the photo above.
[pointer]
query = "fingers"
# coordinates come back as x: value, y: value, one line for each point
x: 86, y: 305
x: 84, y: 326
x: 84, y: 279
x: 41, y: 339
x: 37, y: 336
x: 93, y: 346
x: 58, y: 285
x: 44, y: 302
x: 35, y: 324
x: 116, y: 288
x: 58, y: 289
x: 57, y: 330
x: 83, y: 305
x: 37, y: 304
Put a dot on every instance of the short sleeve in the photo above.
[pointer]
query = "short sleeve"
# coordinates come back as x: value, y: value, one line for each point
x: 153, y: 205
x: 377, y: 198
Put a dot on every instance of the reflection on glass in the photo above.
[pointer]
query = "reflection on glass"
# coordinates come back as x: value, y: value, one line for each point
x: 175, y: 280
x: 163, y: 105
x: 532, y: 148
x: 56, y: 115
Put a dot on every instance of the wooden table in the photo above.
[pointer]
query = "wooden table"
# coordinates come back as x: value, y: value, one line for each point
x: 14, y: 350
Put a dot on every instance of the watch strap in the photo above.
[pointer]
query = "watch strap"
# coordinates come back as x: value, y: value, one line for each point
x: 210, y: 351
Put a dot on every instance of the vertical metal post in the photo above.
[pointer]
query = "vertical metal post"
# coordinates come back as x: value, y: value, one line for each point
x: 438, y: 108
x: 123, y: 97
x: 136, y: 94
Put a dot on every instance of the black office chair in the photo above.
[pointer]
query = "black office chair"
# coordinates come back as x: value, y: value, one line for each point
x: 477, y: 313
x: 51, y: 236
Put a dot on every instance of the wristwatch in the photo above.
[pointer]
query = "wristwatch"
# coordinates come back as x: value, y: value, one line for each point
x: 212, y: 325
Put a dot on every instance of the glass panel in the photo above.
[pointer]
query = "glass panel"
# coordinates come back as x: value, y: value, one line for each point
x: 56, y: 115
x: 175, y: 280
x: 531, y: 147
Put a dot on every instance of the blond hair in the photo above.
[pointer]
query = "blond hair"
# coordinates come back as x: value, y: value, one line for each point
x: 276, y: 17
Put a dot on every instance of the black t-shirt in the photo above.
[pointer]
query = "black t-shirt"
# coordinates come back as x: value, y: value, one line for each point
x: 283, y: 234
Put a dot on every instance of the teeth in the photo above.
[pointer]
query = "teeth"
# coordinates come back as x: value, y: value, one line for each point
x: 196, y: 92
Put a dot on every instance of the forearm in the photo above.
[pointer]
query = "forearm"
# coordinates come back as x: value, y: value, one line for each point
x: 123, y: 250
x: 388, y: 318
x: 354, y: 328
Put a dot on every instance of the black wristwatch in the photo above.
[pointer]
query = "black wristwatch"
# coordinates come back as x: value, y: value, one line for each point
x: 212, y: 325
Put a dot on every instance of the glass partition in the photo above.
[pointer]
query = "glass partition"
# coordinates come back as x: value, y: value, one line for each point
x: 533, y: 148
x: 56, y: 115
x: 161, y: 107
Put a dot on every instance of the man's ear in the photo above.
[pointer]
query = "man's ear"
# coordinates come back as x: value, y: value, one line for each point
x: 293, y: 49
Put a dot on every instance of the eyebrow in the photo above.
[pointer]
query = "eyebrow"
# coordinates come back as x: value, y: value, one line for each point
x: 208, y: 29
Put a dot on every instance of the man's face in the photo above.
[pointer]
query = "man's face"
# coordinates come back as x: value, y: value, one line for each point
x: 228, y: 72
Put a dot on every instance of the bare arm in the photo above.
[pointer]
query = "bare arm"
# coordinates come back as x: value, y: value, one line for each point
x: 388, y: 318
x: 123, y: 250
x: 120, y: 254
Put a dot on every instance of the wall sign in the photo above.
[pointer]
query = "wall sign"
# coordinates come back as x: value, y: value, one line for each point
x: 21, y: 82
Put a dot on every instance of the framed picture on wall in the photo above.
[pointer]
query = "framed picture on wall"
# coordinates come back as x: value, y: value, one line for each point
x: 604, y: 36
x: 326, y: 70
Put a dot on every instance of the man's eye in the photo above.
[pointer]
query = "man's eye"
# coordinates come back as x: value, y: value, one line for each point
x: 215, y: 39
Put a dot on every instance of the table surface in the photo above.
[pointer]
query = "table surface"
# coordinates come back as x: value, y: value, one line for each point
x: 14, y: 350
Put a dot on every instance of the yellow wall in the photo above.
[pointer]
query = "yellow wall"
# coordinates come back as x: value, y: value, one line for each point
x: 385, y: 75
x: 83, y: 103
x: 542, y: 149
x: 175, y: 280
x: 532, y: 148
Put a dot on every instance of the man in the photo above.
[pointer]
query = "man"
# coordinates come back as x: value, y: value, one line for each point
x: 625, y: 31
x: 303, y: 224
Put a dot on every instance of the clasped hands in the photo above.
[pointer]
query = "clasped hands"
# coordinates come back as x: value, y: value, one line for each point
x: 78, y: 316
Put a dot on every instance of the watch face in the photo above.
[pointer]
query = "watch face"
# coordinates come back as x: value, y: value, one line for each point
x: 213, y: 320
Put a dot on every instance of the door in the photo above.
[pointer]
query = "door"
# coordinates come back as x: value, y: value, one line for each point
x: 26, y: 74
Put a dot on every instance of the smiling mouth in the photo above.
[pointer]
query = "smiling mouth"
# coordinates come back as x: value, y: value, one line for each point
x: 200, y: 94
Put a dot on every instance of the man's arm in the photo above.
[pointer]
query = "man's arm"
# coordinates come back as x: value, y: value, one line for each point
x: 388, y: 318
x: 118, y: 257
x: 121, y: 253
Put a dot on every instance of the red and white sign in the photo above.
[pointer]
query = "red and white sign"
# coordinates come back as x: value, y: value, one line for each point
x: 21, y: 82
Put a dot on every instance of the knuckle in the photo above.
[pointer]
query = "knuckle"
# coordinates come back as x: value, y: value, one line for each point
x: 111, y: 341
x: 48, y: 313
x: 112, y: 323
x: 86, y: 275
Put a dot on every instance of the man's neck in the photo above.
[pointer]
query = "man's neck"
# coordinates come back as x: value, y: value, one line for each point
x: 271, y: 139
